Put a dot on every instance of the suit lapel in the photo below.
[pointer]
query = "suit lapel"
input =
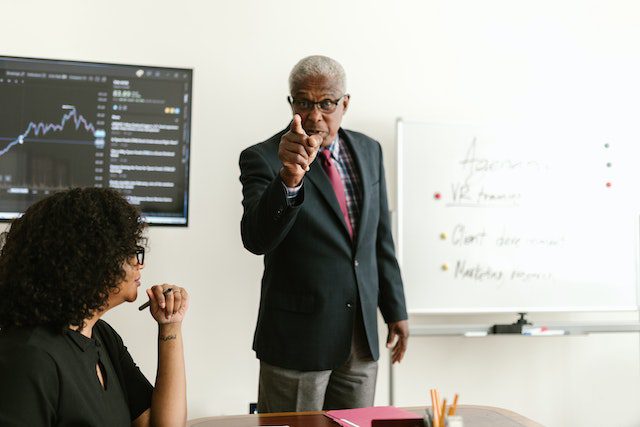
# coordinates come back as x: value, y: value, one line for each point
x: 360, y: 157
x: 319, y: 178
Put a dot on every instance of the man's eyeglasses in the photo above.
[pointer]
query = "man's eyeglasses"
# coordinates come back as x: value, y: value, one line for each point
x: 140, y: 255
x: 301, y: 105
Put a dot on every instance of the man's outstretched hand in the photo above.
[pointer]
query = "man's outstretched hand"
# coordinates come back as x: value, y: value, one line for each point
x: 297, y: 151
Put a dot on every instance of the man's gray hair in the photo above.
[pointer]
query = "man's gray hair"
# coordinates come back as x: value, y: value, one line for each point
x: 317, y: 66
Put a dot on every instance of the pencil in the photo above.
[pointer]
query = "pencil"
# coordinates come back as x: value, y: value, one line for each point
x: 434, y: 405
x: 148, y: 303
x: 443, y: 413
x: 454, y: 405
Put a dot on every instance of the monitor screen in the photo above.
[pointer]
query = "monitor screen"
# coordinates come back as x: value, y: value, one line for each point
x: 70, y: 124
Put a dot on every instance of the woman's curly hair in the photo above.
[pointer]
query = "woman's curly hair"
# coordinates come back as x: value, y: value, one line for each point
x: 60, y: 260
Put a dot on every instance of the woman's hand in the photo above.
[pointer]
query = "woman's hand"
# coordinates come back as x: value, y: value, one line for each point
x: 169, y: 303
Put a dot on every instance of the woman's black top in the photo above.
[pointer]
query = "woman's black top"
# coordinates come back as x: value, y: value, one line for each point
x: 49, y: 378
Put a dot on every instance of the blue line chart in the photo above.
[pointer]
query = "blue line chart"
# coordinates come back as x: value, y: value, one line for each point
x: 41, y: 129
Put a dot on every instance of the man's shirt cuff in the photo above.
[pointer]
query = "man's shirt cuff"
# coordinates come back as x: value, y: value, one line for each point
x: 292, y: 194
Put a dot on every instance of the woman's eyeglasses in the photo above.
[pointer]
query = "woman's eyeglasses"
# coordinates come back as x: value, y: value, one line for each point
x: 140, y: 255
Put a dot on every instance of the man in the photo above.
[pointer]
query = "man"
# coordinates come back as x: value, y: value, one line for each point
x: 315, y: 204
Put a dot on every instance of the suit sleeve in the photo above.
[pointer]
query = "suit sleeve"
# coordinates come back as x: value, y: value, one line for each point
x: 391, y: 297
x: 267, y: 216
x: 28, y: 388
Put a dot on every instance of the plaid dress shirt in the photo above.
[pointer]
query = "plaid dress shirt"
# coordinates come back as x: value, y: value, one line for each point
x: 343, y: 159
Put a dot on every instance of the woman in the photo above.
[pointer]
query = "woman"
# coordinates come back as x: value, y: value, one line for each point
x: 67, y: 261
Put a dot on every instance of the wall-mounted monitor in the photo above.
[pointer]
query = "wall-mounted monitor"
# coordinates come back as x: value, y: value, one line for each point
x: 70, y: 124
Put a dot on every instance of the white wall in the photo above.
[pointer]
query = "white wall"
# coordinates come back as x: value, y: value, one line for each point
x: 436, y: 60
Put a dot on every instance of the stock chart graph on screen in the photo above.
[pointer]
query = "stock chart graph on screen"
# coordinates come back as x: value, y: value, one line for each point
x: 49, y: 141
x: 73, y: 124
x: 38, y: 129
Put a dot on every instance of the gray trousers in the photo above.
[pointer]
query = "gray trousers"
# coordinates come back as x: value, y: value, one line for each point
x: 352, y: 385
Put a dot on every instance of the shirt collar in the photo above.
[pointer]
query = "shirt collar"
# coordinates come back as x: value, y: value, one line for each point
x: 83, y: 343
x: 334, y: 148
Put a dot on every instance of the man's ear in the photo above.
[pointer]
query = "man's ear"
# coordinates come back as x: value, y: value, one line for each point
x: 345, y: 103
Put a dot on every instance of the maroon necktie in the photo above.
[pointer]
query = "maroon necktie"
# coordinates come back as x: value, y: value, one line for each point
x: 338, y: 188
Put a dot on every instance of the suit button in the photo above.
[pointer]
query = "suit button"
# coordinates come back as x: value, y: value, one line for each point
x: 356, y: 263
x: 276, y: 217
x: 349, y: 305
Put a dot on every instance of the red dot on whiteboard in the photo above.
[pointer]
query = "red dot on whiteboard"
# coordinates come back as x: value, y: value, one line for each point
x: 437, y: 196
x: 608, y: 184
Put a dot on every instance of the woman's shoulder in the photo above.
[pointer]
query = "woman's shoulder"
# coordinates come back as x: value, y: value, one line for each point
x: 30, y: 375
x: 33, y: 347
x: 32, y: 336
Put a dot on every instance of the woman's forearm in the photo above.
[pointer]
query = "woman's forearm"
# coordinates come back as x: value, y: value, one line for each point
x: 169, y: 400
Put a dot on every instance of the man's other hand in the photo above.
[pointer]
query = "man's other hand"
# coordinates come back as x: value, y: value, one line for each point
x: 398, y: 333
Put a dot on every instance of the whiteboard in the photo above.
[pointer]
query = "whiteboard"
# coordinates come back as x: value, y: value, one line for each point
x: 497, y: 219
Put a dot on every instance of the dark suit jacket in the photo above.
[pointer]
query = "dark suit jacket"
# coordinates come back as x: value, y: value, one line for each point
x: 314, y: 275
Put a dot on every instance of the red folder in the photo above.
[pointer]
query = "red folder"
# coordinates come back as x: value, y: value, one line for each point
x: 375, y: 416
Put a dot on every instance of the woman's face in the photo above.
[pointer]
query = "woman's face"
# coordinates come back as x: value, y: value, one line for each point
x: 128, y: 288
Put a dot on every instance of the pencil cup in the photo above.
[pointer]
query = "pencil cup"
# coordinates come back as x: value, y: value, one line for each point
x: 449, y: 421
x: 453, y: 421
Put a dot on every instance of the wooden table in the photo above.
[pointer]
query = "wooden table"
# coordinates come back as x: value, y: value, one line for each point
x: 474, y: 416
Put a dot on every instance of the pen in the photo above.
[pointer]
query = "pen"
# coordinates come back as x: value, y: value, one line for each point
x: 349, y: 422
x: 543, y: 331
x: 148, y: 303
